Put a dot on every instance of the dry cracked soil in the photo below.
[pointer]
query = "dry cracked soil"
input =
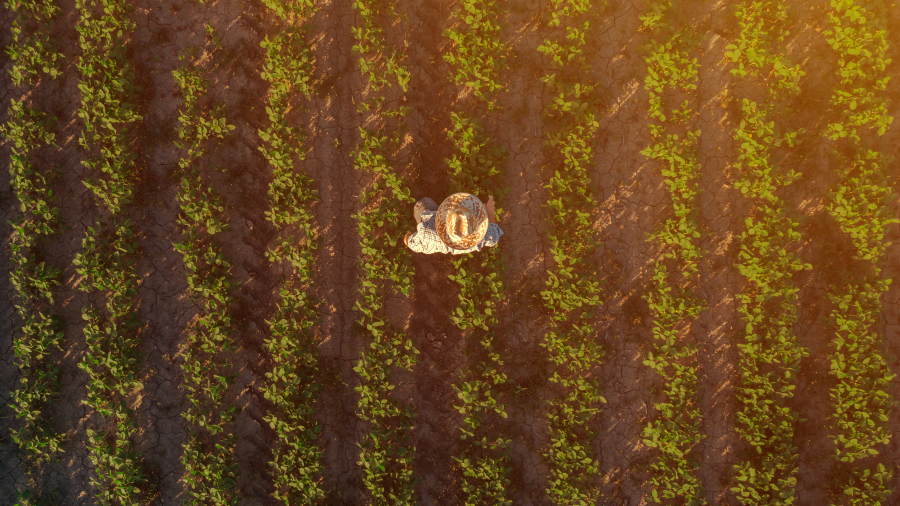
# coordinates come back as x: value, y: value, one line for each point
x: 632, y: 201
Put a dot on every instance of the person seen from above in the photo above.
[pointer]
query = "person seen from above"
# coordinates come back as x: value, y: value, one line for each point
x: 461, y: 224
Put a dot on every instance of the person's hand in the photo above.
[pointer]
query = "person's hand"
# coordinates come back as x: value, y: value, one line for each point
x: 491, y: 212
x: 406, y: 239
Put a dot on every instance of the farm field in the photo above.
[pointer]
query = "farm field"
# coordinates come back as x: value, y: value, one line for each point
x: 207, y: 299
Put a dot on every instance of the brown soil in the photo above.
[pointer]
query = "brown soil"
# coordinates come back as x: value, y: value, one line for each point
x: 629, y: 189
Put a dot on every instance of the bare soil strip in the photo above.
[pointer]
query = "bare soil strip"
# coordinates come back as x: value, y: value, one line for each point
x: 891, y: 328
x: 439, y: 342
x: 632, y: 202
x: 520, y: 130
x: 722, y: 210
x: 333, y: 134
x: 891, y: 299
x: 12, y: 475
x: 12, y: 471
x: 812, y: 332
x: 165, y: 306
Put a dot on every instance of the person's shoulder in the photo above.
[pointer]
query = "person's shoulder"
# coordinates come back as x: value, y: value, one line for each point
x: 428, y: 216
x: 427, y: 241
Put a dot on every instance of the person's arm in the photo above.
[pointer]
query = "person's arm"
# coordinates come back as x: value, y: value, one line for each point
x: 491, y: 212
x: 492, y: 236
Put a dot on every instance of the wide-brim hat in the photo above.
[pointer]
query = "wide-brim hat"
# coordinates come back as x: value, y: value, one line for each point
x: 462, y: 221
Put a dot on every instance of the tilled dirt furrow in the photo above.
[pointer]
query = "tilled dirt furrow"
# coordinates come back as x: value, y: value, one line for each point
x: 721, y: 213
x: 12, y: 469
x: 890, y: 329
x: 333, y: 134
x: 242, y: 176
x: 806, y: 197
x: 236, y: 170
x: 439, y: 342
x: 891, y: 299
x: 632, y: 200
x: 520, y: 129
x: 68, y: 479
x: 166, y: 308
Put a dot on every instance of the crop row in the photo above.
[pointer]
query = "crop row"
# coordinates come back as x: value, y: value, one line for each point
x: 380, y: 61
x: 857, y: 32
x: 208, y: 457
x: 672, y: 75
x: 386, y: 452
x: 769, y: 352
x: 860, y: 398
x: 572, y: 289
x: 291, y: 387
x: 108, y: 100
x: 477, y: 57
x: 478, y: 53
x: 33, y: 47
x: 28, y: 131
x: 109, y: 253
x: 42, y: 332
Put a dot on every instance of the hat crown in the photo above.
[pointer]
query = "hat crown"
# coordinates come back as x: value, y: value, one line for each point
x: 461, y: 221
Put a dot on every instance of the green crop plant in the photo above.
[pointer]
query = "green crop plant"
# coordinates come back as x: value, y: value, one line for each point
x: 673, y: 302
x: 32, y: 55
x: 108, y: 100
x: 484, y: 462
x: 210, y: 469
x: 287, y: 9
x: 477, y: 159
x: 28, y: 131
x: 41, y: 334
x: 33, y: 47
x: 377, y: 59
x: 861, y: 399
x: 572, y: 289
x: 106, y: 263
x: 292, y: 388
x: 112, y: 363
x: 475, y: 167
x: 386, y: 451
x: 386, y: 454
x: 478, y: 56
x: 478, y: 53
x: 769, y: 351
x: 32, y: 52
x: 109, y: 250
x: 120, y: 474
x: 288, y: 67
x: 857, y: 32
x: 210, y: 472
x: 292, y: 385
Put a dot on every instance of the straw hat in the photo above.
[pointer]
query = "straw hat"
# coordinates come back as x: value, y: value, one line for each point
x: 461, y: 221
